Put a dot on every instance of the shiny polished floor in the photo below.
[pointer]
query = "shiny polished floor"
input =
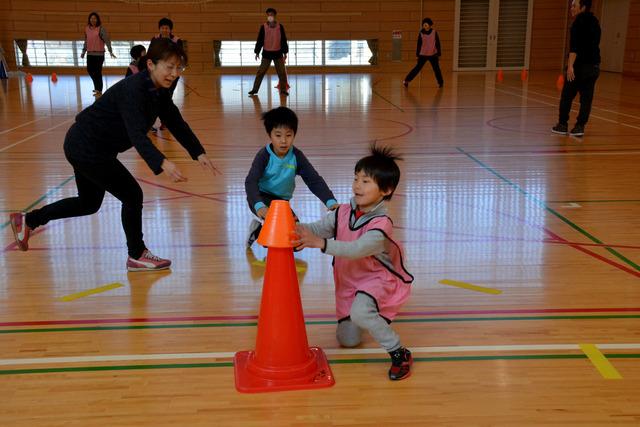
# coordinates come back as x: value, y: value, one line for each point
x: 547, y: 229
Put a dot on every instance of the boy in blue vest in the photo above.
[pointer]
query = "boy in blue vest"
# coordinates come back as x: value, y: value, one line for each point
x: 428, y: 49
x: 273, y: 172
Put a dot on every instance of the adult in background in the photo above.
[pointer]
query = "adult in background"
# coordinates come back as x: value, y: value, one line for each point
x: 95, y: 39
x: 272, y: 41
x: 583, y: 68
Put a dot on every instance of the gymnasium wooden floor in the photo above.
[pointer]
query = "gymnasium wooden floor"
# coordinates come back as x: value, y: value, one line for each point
x: 547, y: 227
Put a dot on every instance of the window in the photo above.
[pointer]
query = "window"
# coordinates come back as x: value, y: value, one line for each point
x: 301, y: 53
x: 64, y: 53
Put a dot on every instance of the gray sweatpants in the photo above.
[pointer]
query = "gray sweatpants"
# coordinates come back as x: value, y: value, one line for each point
x: 262, y: 70
x: 364, y: 315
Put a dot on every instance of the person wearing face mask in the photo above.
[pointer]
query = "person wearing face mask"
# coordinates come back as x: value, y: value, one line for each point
x: 272, y: 41
x: 117, y: 121
x: 428, y: 49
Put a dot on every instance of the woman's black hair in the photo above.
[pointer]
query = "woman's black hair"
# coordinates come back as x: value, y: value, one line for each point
x: 382, y: 167
x: 427, y: 21
x: 98, y: 21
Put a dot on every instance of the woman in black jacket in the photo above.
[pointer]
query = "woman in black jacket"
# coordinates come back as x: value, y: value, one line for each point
x: 117, y: 121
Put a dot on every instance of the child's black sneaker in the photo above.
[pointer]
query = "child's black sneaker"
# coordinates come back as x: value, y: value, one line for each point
x: 254, y: 232
x: 401, y: 361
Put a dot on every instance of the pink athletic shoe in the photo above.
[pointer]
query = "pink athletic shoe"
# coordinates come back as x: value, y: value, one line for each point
x: 147, y: 262
x: 21, y: 230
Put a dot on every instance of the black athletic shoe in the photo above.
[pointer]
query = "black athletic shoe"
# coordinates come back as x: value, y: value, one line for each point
x: 401, y: 361
x: 253, y: 92
x: 578, y: 130
x: 405, y: 83
x: 560, y: 129
x: 254, y: 232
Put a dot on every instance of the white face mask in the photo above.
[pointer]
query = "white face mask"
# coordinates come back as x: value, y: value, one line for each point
x: 270, y: 18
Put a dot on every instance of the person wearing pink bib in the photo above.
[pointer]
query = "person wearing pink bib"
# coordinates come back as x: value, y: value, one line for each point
x: 371, y: 281
x: 95, y: 39
x: 427, y: 49
x: 272, y: 41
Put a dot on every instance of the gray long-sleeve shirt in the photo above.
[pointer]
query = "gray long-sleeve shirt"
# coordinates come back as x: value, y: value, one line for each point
x: 371, y: 243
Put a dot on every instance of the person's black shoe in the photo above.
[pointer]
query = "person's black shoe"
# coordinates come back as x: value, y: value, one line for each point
x: 560, y: 129
x: 401, y: 361
x: 405, y: 83
x: 578, y: 130
x: 252, y: 92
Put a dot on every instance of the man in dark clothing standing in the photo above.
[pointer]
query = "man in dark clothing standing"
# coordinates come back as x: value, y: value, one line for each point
x: 583, y: 68
x: 272, y: 40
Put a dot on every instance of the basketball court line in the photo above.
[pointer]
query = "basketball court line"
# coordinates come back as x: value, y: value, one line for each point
x: 329, y: 351
x: 22, y: 125
x: 36, y: 135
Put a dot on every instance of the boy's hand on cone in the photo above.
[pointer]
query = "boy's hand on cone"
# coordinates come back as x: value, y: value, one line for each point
x: 262, y: 212
x: 306, y: 239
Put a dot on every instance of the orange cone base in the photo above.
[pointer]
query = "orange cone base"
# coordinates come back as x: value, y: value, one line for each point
x: 251, y: 378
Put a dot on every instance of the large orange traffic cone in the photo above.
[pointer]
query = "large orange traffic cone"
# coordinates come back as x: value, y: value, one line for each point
x: 282, y: 359
x: 560, y: 82
x: 54, y: 77
x: 500, y: 76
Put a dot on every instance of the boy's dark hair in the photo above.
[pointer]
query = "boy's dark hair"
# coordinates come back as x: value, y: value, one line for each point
x: 161, y: 50
x: 427, y: 21
x: 98, y: 21
x: 271, y: 10
x: 382, y: 167
x: 166, y: 21
x: 136, y: 51
x: 280, y: 117
x: 587, y: 5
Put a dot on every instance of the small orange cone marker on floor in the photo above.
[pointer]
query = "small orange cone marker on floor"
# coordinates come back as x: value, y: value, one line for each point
x: 282, y: 359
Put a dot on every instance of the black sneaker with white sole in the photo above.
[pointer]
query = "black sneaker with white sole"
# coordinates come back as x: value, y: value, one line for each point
x: 578, y: 130
x: 560, y: 129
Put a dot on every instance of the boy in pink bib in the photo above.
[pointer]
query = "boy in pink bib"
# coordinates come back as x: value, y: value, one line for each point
x: 371, y: 281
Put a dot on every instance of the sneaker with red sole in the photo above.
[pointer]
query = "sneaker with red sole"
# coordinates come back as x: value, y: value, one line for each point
x: 21, y: 230
x: 401, y: 361
x: 147, y: 262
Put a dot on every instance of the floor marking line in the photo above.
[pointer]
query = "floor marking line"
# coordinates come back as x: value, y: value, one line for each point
x: 330, y: 351
x: 35, y: 135
x: 552, y: 211
x: 90, y: 292
x: 470, y: 287
x: 24, y: 124
x: 165, y: 319
x: 606, y: 369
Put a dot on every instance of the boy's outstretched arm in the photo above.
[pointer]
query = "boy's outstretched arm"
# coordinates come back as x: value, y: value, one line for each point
x: 314, y: 181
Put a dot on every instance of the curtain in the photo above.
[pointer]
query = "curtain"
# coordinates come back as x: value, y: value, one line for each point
x: 373, y: 46
x: 22, y: 45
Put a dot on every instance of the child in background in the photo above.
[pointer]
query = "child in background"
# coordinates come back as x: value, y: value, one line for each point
x: 136, y: 52
x: 273, y: 171
x: 371, y: 282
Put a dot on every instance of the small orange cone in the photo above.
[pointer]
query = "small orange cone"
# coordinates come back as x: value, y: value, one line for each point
x: 500, y: 76
x: 29, y: 78
x: 524, y: 74
x: 54, y: 77
x: 560, y: 82
x: 282, y: 359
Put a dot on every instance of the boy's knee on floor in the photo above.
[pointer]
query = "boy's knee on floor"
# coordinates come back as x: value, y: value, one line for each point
x: 348, y: 334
